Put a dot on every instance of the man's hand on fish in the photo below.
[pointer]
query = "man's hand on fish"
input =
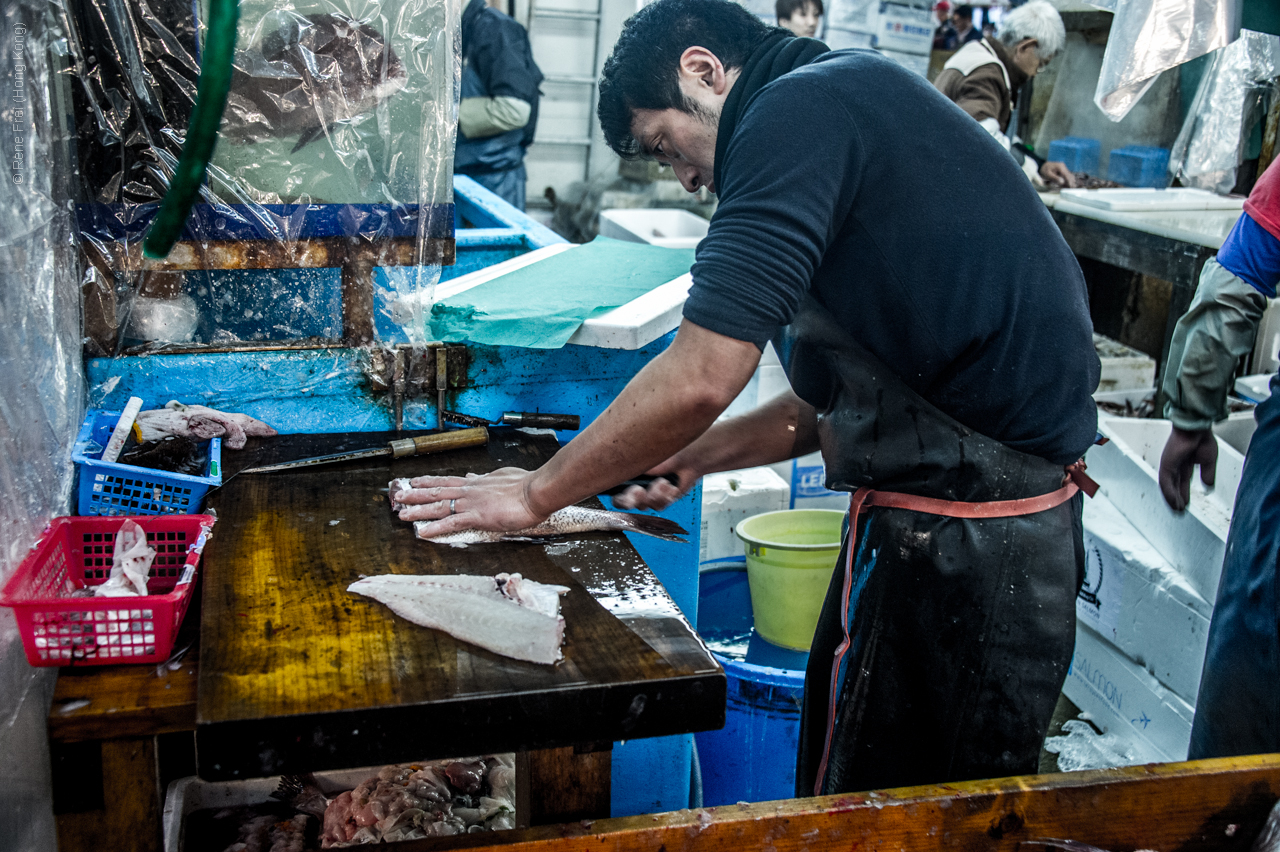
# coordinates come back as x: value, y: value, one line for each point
x: 495, y: 501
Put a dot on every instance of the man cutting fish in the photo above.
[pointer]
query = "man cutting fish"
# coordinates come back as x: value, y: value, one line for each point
x: 934, y: 328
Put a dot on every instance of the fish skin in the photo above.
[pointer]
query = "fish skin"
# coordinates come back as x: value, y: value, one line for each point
x: 479, y: 610
x: 567, y: 521
x: 304, y: 73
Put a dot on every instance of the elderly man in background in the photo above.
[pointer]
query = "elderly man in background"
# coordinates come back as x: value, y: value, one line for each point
x: 984, y: 76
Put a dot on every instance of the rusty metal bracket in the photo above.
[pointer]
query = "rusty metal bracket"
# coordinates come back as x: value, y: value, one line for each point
x: 409, y: 372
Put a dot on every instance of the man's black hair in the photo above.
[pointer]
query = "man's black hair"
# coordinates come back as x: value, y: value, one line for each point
x: 784, y: 9
x: 965, y: 12
x: 643, y: 70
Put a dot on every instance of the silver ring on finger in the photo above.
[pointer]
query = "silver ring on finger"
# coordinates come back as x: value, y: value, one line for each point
x: 452, y: 509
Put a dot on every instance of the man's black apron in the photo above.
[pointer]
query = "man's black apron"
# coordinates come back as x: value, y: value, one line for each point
x: 943, y: 641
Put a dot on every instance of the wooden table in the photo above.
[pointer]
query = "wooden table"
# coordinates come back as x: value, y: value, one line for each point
x: 298, y: 674
x: 626, y: 639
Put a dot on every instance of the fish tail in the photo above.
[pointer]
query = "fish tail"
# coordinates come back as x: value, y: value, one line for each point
x: 653, y: 526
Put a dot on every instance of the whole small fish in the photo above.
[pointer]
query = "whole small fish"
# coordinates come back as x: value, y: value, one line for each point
x: 304, y: 73
x: 567, y: 521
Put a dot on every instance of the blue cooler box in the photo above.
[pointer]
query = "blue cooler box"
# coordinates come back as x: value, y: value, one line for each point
x: 1139, y: 165
x: 1080, y: 154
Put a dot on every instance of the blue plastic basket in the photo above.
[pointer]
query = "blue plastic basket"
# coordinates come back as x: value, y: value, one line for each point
x: 1139, y: 166
x: 1079, y: 153
x: 110, y: 488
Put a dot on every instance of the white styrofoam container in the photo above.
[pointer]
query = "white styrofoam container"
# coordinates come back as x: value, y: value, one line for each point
x: 1135, y: 599
x: 1123, y: 698
x: 1123, y: 368
x: 1193, y: 541
x: 1154, y: 200
x: 669, y: 227
x: 732, y: 496
x: 187, y: 795
x: 1255, y: 388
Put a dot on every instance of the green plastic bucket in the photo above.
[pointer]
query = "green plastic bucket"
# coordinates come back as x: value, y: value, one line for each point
x: 790, y: 556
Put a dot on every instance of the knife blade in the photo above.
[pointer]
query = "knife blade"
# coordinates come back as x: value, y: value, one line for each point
x: 401, y: 448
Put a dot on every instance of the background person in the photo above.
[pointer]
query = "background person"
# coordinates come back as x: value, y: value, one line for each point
x: 984, y: 76
x: 498, y: 113
x: 962, y: 23
x: 802, y: 17
x: 944, y: 37
x: 915, y: 374
x: 1238, y: 706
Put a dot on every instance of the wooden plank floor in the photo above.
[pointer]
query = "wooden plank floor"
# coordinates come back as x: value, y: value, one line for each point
x: 298, y: 674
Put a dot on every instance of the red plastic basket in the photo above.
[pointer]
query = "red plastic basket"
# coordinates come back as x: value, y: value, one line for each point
x: 59, y: 630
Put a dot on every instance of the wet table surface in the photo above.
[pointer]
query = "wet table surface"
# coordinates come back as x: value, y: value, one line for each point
x: 298, y: 674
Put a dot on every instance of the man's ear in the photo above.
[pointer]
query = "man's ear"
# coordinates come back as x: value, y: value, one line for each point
x: 1029, y: 43
x: 701, y: 67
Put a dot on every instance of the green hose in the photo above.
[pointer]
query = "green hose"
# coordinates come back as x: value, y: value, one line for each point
x: 202, y: 132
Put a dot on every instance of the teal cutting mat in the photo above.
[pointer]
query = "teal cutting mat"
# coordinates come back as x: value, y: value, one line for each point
x: 542, y: 305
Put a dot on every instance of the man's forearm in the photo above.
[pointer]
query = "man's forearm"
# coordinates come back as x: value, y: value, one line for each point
x: 669, y: 403
x: 782, y: 428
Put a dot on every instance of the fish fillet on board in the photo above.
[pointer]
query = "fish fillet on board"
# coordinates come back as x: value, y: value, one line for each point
x: 506, y: 614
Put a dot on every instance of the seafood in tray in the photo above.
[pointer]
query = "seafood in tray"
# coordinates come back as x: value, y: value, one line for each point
x: 436, y: 798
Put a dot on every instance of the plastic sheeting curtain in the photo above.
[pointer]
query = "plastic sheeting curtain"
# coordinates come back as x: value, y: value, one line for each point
x: 41, y: 390
x: 1151, y: 36
x: 336, y: 143
x: 1208, y: 148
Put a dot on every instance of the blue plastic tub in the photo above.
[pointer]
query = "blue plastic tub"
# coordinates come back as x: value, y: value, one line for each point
x: 110, y: 488
x: 753, y: 758
x: 1079, y: 153
x: 1140, y: 166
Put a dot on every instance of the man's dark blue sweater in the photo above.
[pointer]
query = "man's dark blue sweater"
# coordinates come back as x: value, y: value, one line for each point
x: 853, y: 179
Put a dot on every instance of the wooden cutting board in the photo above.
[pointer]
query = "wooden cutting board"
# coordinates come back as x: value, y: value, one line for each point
x: 297, y: 674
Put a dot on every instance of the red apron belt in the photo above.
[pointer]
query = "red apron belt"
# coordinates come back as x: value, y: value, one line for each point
x: 863, y: 499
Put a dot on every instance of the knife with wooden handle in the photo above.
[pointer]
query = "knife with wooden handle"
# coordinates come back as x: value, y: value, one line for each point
x: 401, y: 448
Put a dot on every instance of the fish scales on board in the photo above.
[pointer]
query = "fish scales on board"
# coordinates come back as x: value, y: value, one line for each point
x: 505, y: 614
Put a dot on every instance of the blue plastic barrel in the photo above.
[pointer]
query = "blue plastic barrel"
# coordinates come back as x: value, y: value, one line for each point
x: 753, y: 758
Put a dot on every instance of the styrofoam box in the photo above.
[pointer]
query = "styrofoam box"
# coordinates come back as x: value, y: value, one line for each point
x: 1135, y: 599
x: 732, y: 496
x: 187, y: 795
x: 669, y: 227
x: 1256, y: 388
x: 1193, y: 541
x: 1123, y: 698
x: 1123, y: 368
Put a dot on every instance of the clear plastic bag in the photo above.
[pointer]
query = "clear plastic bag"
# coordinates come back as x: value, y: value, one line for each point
x: 1151, y: 36
x: 334, y: 157
x: 1207, y: 150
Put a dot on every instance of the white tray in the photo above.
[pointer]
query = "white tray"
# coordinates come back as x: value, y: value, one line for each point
x: 188, y: 795
x: 1153, y: 199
